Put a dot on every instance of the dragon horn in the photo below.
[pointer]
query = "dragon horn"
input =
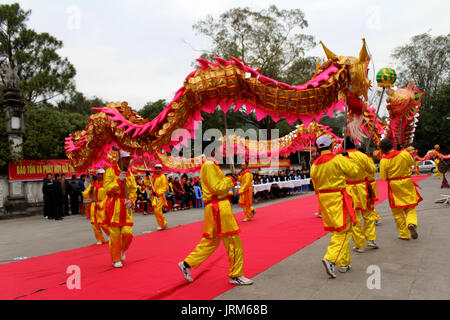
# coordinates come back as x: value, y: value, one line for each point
x: 329, y: 54
x: 363, y: 54
x: 318, y: 66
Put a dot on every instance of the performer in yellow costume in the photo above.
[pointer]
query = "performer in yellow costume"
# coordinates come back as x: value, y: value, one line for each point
x: 120, y: 186
x: 437, y: 173
x: 246, y: 192
x: 329, y: 174
x: 416, y: 168
x: 158, y: 195
x: 358, y: 189
x: 395, y: 168
x: 219, y: 224
x: 96, y: 209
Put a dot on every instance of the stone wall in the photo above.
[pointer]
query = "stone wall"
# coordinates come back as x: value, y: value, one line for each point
x: 33, y: 198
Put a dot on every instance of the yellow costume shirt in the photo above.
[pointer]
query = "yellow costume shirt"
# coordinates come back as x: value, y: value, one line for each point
x: 246, y: 190
x: 329, y: 174
x: 96, y: 211
x: 117, y: 214
x: 219, y: 218
x: 395, y: 167
x: 357, y: 186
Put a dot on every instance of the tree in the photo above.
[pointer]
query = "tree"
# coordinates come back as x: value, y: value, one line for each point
x: 434, y: 122
x: 152, y: 109
x: 78, y: 103
x: 270, y: 39
x: 47, y: 129
x: 42, y: 73
x: 426, y: 62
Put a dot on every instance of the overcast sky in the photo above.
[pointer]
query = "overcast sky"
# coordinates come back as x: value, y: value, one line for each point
x: 140, y: 51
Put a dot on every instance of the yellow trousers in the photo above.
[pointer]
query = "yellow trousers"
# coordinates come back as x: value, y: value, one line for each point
x: 98, y: 231
x: 358, y: 234
x: 248, y: 212
x: 437, y: 174
x: 403, y: 218
x: 160, y: 219
x: 376, y: 215
x: 338, y: 251
x: 206, y: 247
x: 121, y: 238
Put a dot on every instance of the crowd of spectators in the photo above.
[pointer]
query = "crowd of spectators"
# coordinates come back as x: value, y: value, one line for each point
x: 180, y: 196
x: 62, y: 197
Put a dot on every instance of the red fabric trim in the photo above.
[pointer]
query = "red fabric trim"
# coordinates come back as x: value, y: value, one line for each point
x: 355, y: 182
x: 324, y: 158
x: 244, y: 172
x: 330, y: 190
x: 234, y: 181
x: 392, y: 154
x: 231, y: 233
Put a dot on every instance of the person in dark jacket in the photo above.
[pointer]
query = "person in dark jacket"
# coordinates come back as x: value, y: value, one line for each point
x: 59, y: 198
x: 65, y: 186
x: 190, y: 193
x: 180, y: 194
x: 48, y: 191
x: 74, y: 196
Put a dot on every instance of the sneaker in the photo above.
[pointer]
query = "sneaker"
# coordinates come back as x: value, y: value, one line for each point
x: 241, y: 281
x: 378, y: 222
x: 246, y: 220
x: 99, y: 243
x: 162, y: 228
x: 186, y: 271
x: 412, y: 230
x: 360, y: 250
x: 372, y: 244
x: 403, y: 238
x: 345, y: 269
x: 329, y: 267
x: 123, y: 256
x: 117, y: 264
x: 318, y: 215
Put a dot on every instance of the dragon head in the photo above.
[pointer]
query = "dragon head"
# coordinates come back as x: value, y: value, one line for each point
x: 404, y: 101
x: 358, y: 69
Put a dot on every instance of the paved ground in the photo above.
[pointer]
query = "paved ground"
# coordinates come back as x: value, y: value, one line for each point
x: 415, y: 269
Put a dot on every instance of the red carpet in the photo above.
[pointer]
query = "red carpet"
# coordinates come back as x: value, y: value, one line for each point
x: 151, y: 270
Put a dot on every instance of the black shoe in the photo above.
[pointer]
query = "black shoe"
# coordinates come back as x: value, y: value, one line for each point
x: 412, y: 230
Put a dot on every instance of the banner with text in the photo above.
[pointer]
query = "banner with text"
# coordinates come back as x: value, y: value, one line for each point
x: 34, y: 170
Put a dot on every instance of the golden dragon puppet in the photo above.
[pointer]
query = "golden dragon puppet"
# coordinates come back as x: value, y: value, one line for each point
x: 338, y: 82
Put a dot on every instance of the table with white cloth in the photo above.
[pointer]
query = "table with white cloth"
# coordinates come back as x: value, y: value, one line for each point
x: 291, y: 184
